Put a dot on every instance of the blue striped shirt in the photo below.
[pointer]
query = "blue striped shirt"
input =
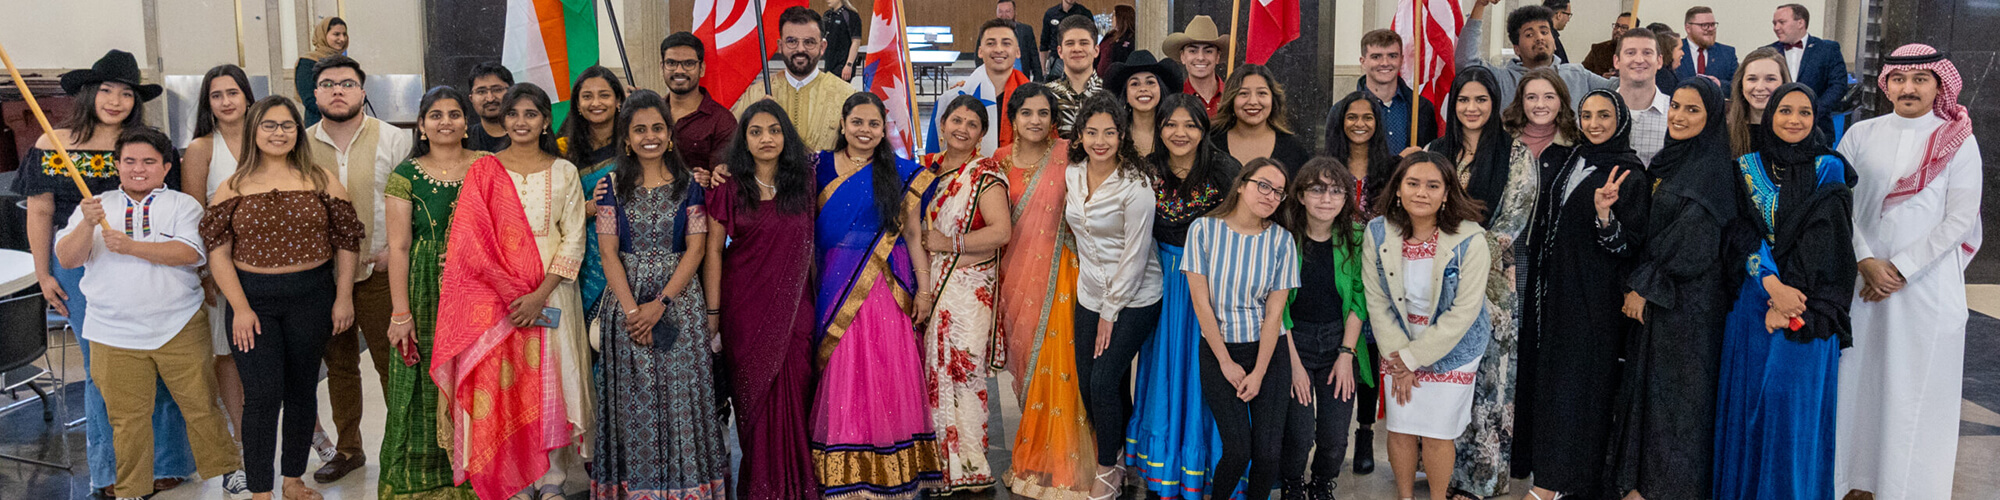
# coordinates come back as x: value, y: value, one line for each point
x: 1242, y: 271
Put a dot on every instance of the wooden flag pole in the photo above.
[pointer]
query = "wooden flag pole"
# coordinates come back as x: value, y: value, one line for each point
x: 1235, y: 16
x: 909, y: 84
x: 240, y: 60
x: 1417, y: 93
x: 62, y: 153
x: 1635, y: 13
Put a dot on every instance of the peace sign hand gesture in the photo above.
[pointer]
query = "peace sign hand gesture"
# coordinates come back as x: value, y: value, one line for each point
x: 1608, y: 195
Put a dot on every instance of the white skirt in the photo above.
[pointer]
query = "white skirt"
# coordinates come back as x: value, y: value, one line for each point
x: 1440, y: 405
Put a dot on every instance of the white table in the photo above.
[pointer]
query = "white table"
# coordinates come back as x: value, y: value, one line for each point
x: 17, y: 271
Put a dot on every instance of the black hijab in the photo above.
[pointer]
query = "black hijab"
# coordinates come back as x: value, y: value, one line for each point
x: 1701, y: 169
x: 1792, y: 165
x: 1489, y: 168
x: 1616, y: 151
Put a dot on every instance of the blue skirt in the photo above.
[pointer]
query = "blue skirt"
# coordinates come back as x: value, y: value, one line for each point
x: 1172, y: 441
x: 1774, y: 409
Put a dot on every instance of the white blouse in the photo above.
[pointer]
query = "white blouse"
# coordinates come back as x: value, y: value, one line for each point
x: 1113, y: 225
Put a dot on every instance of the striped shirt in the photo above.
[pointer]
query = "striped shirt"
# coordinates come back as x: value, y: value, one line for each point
x: 1242, y: 271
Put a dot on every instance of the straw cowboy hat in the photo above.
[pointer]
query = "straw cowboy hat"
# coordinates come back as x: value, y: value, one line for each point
x: 1201, y: 29
x: 115, y: 66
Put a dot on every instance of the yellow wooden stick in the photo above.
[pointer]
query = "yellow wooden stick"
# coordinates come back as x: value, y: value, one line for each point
x: 1235, y: 16
x: 62, y: 153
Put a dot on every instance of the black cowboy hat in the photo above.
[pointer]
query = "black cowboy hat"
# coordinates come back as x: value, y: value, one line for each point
x: 115, y: 66
x: 1142, y: 61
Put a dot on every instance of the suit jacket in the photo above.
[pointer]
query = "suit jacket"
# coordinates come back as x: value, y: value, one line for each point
x: 1721, y: 62
x: 1825, y: 70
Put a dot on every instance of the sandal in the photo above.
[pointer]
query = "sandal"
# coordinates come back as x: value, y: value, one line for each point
x: 1103, y: 477
x: 1538, y: 496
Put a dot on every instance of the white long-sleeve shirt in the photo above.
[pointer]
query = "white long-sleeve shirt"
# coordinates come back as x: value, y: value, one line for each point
x: 1918, y: 233
x: 1113, y: 224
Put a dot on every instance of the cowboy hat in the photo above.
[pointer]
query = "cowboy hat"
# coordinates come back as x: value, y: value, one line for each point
x: 1201, y: 29
x: 1142, y: 61
x: 115, y: 66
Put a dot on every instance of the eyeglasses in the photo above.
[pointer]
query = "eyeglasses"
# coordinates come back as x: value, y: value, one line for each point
x: 342, y: 85
x: 278, y: 126
x: 792, y: 43
x: 1325, y: 191
x: 1706, y: 26
x: 681, y: 64
x: 1268, y: 190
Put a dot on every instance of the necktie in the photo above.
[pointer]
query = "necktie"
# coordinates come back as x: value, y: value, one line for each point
x: 1701, y: 61
x: 1801, y: 45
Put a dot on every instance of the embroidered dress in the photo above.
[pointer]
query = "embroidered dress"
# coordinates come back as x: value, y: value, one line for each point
x: 554, y: 203
x: 1038, y: 270
x: 416, y: 464
x: 872, y: 435
x: 1172, y: 441
x: 658, y: 436
x: 959, y: 345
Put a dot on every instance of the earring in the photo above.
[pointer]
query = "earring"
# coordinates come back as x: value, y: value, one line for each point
x: 423, y: 137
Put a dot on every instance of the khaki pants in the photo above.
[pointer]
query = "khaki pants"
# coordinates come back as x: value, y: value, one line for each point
x: 186, y: 365
x: 343, y: 359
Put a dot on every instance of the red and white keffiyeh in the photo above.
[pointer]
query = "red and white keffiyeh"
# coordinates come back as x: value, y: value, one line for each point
x: 1944, y: 142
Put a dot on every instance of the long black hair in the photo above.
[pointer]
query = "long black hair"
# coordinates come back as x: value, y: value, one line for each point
x: 795, y: 161
x: 1121, y: 119
x: 888, y: 182
x: 1489, y: 169
x: 534, y: 95
x: 204, y: 118
x: 629, y: 172
x: 576, y: 129
x: 1381, y: 161
x: 1205, y: 171
x: 82, y: 122
x: 421, y: 146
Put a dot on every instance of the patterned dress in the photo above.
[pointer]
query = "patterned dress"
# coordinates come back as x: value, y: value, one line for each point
x: 657, y: 435
x: 415, y: 462
x: 959, y: 344
x: 1485, y: 450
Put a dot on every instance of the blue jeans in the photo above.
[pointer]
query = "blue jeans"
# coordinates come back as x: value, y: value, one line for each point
x: 172, y: 457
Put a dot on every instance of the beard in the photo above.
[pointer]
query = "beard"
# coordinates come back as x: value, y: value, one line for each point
x: 1538, y: 59
x: 799, y: 63
x: 351, y: 112
x: 693, y: 84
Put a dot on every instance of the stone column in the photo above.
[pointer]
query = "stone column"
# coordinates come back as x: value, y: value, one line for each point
x: 645, y: 24
x: 1155, y: 21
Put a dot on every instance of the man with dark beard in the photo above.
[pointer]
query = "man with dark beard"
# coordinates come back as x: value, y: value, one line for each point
x: 360, y: 151
x: 812, y: 97
x: 701, y: 125
x: 490, y: 82
x: 1532, y: 31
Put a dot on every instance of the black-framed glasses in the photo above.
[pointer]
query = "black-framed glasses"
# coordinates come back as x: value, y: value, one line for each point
x: 681, y: 64
x: 1268, y: 190
x: 1707, y: 26
x: 278, y: 126
x: 342, y: 85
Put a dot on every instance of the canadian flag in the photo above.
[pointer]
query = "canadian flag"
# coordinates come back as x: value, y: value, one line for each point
x: 1431, y: 57
x: 887, y: 70
x: 1273, y: 23
x: 734, y: 57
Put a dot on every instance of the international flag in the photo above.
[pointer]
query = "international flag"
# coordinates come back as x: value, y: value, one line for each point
x: 978, y: 85
x: 549, y: 43
x: 729, y: 28
x: 1273, y: 23
x: 888, y: 72
x: 1437, y: 65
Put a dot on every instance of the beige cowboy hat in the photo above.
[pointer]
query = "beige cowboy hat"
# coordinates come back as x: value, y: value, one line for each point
x: 1201, y: 29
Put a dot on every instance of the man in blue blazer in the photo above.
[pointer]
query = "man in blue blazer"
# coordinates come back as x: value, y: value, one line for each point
x: 1813, y: 61
x: 1700, y: 55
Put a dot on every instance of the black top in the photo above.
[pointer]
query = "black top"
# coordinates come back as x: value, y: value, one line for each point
x: 40, y: 173
x: 1318, y: 299
x: 841, y: 26
x: 1286, y: 149
x: 1054, y: 17
x: 476, y: 135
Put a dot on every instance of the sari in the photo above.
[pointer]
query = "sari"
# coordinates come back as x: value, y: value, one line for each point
x: 871, y: 430
x: 958, y: 340
x: 1037, y: 297
x: 767, y: 324
x: 500, y: 384
x: 590, y: 280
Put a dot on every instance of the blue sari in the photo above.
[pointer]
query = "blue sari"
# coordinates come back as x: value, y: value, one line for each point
x: 871, y: 425
x: 590, y: 280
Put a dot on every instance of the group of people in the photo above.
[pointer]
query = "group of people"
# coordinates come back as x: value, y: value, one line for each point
x: 1616, y: 289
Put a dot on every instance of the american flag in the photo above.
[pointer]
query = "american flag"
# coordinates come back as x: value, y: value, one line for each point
x: 1437, y: 66
x: 888, y: 74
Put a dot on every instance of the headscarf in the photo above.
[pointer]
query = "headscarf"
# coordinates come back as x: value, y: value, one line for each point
x: 1701, y: 168
x: 1944, y: 142
x: 1617, y: 150
x: 321, y: 47
x: 1489, y: 168
x: 1787, y: 155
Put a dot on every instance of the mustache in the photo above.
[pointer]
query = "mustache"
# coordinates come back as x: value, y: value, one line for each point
x: 1912, y: 97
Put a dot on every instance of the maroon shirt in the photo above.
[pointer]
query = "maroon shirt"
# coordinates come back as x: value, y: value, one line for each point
x: 699, y: 135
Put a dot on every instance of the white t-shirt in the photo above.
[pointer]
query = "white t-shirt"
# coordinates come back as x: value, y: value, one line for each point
x: 134, y: 303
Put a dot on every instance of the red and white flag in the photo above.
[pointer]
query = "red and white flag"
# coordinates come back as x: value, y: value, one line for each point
x: 1437, y: 65
x: 1273, y: 23
x: 887, y: 71
x: 729, y: 28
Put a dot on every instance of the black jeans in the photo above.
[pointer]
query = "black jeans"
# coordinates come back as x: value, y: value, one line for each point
x: 1106, y: 381
x: 1272, y: 431
x: 1318, y: 343
x: 281, y: 371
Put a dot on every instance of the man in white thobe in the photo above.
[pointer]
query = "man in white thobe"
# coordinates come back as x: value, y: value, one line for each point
x: 1916, y: 226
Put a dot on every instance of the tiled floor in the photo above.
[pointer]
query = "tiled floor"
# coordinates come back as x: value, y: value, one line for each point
x: 22, y: 432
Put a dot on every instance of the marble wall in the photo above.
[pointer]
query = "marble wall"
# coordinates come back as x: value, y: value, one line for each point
x: 1958, y: 27
x: 459, y: 34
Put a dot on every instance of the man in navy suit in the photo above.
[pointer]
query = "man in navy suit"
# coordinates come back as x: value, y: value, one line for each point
x: 1813, y: 61
x: 1700, y: 55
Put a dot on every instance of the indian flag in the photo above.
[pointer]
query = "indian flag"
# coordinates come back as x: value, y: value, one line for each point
x: 549, y: 43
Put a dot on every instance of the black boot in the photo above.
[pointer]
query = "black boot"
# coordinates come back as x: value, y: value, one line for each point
x: 1321, y: 489
x: 1296, y: 490
x: 1364, y: 450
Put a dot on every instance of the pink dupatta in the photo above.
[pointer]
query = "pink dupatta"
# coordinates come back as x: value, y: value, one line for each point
x: 1028, y: 264
x: 500, y: 383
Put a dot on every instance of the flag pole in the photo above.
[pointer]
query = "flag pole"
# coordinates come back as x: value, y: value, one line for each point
x: 618, y: 36
x: 1235, y: 16
x: 909, y: 85
x: 763, y: 52
x: 240, y: 59
x: 1417, y: 24
x: 62, y: 153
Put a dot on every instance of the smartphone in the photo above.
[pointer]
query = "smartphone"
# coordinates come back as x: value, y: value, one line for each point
x: 550, y: 317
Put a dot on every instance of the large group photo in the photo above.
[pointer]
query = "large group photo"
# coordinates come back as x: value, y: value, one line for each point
x: 997, y: 249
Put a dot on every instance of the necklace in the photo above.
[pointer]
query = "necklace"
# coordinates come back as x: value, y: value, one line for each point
x: 760, y: 182
x: 1038, y: 161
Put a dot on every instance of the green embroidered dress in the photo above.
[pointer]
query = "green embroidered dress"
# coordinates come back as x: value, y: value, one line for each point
x: 416, y: 464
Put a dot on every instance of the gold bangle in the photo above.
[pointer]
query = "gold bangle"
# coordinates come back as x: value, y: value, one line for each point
x: 393, y: 321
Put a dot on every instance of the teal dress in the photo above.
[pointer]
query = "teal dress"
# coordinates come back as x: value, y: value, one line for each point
x: 590, y: 277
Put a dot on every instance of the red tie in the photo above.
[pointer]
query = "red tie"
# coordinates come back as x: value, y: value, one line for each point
x: 1701, y: 61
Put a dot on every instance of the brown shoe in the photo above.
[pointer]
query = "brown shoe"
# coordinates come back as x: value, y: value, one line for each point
x: 338, y: 468
x: 160, y: 485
